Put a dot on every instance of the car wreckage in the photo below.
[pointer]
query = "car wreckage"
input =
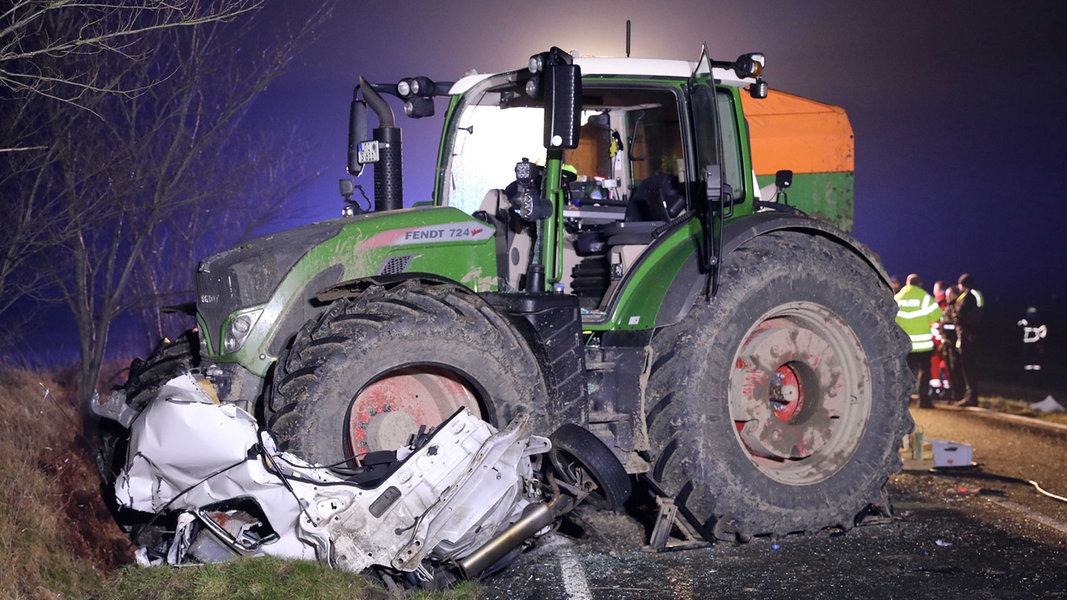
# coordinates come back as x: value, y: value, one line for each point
x: 459, y: 501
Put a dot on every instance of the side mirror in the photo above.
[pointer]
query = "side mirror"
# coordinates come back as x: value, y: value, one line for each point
x: 783, y: 179
x: 561, y: 86
x: 357, y: 133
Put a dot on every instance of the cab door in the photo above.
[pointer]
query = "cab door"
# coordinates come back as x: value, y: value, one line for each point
x: 714, y: 195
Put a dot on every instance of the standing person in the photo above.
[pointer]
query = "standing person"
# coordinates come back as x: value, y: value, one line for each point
x: 939, y: 379
x: 968, y: 331
x: 916, y: 314
x: 940, y: 290
x: 950, y: 356
x: 1034, y: 333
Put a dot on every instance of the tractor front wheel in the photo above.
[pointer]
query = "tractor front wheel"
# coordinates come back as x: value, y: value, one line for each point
x: 374, y: 368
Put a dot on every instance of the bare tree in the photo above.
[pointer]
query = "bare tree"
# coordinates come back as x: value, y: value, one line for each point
x: 65, y: 52
x: 44, y: 43
x: 248, y: 201
x: 129, y: 170
x: 32, y: 222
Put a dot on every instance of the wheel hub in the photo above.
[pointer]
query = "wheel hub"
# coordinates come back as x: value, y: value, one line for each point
x: 387, y: 412
x: 794, y: 393
x: 786, y: 393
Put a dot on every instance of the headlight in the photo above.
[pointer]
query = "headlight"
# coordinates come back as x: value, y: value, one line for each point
x: 238, y: 331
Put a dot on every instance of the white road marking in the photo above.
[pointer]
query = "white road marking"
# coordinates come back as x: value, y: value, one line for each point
x: 575, y: 584
x: 1030, y: 514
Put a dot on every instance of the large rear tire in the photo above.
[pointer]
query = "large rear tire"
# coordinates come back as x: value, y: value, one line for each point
x: 779, y: 407
x: 374, y: 368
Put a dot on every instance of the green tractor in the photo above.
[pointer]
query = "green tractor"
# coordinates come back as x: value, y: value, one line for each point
x: 598, y: 254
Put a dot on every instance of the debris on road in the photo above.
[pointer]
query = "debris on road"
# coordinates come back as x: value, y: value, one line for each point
x: 1048, y: 405
x: 951, y: 454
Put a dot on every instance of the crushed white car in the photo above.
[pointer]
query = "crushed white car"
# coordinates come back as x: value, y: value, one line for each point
x: 208, y: 485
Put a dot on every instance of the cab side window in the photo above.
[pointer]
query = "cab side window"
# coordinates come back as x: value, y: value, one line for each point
x: 706, y: 102
x: 731, y: 143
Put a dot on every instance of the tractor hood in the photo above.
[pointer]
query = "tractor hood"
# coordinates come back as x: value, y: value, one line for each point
x: 253, y: 297
x: 248, y: 274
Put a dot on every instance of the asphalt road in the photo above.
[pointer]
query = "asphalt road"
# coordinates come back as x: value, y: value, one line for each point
x: 978, y: 532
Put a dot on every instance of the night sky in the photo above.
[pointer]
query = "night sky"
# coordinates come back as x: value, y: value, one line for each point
x: 959, y: 127
x: 959, y: 132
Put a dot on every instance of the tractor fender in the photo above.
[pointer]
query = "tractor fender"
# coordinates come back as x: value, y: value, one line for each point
x: 692, y: 281
x: 354, y: 287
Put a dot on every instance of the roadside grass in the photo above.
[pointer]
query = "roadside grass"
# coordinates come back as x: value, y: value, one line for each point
x: 57, y: 539
x: 1013, y: 406
x: 255, y: 578
x: 40, y: 553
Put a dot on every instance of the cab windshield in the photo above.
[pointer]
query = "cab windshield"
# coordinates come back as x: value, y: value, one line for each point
x: 630, y: 150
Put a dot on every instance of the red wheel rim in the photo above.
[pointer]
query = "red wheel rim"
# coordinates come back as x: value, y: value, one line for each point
x: 388, y: 411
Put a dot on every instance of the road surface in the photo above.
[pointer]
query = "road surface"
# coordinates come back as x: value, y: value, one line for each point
x: 981, y: 532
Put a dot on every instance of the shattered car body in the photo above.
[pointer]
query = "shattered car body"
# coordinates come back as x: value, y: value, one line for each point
x: 461, y: 497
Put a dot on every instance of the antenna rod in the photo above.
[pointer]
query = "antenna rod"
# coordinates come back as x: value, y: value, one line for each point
x: 627, y: 38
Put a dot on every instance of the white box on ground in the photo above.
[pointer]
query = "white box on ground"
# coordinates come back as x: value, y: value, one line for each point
x: 951, y: 454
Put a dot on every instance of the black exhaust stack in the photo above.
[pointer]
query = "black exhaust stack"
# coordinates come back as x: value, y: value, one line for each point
x: 388, y: 171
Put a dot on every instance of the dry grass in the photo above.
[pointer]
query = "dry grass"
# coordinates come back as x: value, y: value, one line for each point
x: 1019, y: 407
x: 42, y: 554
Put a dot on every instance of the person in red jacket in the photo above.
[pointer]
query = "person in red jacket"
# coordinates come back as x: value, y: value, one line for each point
x: 940, y: 382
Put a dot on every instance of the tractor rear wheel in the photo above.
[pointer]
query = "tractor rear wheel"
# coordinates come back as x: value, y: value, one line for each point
x: 779, y: 407
x: 374, y: 368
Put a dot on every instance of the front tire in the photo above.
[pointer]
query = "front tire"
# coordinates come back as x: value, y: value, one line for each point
x: 779, y: 407
x: 374, y: 368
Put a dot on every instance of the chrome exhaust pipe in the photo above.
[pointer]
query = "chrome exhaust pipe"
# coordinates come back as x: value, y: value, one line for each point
x: 537, y: 517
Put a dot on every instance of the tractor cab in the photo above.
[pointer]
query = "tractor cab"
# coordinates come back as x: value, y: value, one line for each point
x: 648, y: 133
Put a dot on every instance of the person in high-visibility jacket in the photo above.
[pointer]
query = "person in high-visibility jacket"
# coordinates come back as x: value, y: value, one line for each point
x: 917, y: 314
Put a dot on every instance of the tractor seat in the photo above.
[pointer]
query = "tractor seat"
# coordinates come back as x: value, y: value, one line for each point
x: 616, y: 234
x: 654, y: 203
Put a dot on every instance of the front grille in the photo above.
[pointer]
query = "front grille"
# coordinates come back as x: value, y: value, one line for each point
x: 394, y: 265
x: 216, y: 297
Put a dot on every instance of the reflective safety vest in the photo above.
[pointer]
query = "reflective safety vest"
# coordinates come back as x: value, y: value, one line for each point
x: 917, y: 313
x: 1033, y: 333
x: 979, y: 299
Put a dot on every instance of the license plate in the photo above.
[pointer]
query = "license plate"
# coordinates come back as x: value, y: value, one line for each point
x: 368, y: 152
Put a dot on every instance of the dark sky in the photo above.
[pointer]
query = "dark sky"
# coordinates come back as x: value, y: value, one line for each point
x: 959, y: 132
